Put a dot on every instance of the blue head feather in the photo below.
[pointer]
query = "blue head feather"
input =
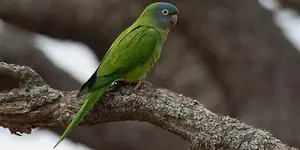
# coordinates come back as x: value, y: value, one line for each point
x: 160, y: 12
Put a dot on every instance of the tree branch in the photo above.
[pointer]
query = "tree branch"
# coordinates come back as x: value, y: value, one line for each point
x: 35, y: 104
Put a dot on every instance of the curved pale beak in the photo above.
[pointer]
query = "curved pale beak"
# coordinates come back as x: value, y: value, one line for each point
x: 173, y: 20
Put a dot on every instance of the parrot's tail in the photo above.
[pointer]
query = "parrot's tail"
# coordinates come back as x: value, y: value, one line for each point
x: 90, y: 101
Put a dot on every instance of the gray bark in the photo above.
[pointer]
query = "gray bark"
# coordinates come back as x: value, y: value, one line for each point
x: 35, y: 104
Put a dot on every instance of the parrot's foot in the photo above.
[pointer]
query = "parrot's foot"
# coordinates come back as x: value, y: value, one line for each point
x: 119, y: 81
x: 138, y: 85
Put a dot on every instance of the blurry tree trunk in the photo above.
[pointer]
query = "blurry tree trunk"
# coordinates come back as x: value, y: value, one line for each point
x: 16, y: 47
x: 229, y: 52
x: 294, y: 4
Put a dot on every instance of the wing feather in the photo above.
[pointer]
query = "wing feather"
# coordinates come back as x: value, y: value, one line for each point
x: 126, y: 53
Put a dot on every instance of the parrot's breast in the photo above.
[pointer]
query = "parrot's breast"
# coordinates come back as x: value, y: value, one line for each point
x: 140, y: 72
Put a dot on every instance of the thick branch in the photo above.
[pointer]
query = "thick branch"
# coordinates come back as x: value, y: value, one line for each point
x: 38, y: 105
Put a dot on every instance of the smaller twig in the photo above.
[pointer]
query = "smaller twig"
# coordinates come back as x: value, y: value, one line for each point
x: 26, y: 75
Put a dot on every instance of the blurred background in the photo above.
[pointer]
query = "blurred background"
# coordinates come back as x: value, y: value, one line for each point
x: 238, y: 58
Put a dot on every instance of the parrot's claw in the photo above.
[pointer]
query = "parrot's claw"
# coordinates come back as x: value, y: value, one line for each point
x: 119, y: 81
x: 138, y: 85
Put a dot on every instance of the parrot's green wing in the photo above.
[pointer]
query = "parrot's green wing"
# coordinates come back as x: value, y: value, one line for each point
x: 134, y: 48
x: 129, y: 51
x: 95, y: 82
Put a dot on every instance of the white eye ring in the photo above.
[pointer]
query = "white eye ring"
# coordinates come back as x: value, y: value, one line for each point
x: 165, y: 12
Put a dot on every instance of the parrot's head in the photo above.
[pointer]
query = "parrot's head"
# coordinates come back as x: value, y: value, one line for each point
x: 164, y: 14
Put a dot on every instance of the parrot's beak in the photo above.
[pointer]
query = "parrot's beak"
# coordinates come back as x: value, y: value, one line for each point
x: 173, y: 20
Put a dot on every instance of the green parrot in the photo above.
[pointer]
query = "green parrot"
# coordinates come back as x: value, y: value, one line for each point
x: 130, y: 57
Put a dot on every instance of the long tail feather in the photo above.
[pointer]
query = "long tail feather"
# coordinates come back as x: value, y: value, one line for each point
x: 90, y: 101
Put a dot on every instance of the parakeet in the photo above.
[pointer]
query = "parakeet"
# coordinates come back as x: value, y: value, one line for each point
x: 130, y: 57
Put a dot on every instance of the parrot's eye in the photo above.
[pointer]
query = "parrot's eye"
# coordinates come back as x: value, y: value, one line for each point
x: 165, y: 12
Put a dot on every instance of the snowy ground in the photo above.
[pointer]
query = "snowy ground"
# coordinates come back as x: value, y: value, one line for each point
x: 65, y: 54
